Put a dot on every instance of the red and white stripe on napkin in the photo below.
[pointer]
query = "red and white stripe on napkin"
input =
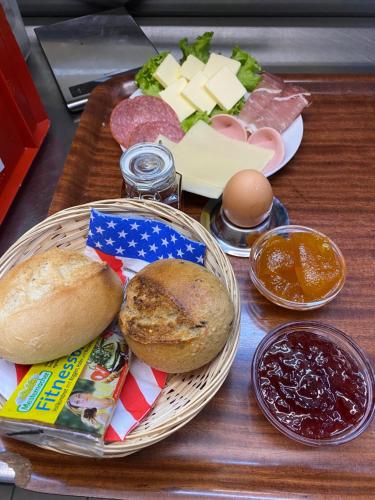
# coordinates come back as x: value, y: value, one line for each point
x: 11, y: 375
x: 141, y: 389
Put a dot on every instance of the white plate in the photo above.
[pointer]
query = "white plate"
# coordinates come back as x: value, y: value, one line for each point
x: 292, y: 138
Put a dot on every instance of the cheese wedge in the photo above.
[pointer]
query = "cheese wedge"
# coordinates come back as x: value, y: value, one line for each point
x: 217, y: 61
x: 191, y: 66
x: 168, y: 71
x: 198, y: 95
x: 172, y: 95
x: 225, y: 88
x: 207, y: 159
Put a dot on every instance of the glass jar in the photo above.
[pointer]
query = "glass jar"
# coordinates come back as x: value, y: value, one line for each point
x: 149, y: 173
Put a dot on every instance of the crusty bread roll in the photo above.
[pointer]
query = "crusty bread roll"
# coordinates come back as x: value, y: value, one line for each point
x: 177, y: 315
x: 54, y: 303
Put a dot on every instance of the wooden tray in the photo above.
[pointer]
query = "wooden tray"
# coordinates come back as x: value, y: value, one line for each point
x: 230, y: 449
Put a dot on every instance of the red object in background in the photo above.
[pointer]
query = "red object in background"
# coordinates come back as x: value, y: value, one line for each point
x: 24, y: 122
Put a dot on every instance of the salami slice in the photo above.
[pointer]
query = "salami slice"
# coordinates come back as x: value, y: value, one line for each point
x: 130, y: 113
x: 149, y: 132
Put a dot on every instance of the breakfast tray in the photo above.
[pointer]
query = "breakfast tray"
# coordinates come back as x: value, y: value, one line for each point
x: 229, y: 450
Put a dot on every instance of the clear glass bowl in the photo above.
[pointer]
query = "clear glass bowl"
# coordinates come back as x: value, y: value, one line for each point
x: 285, y: 231
x: 347, y: 345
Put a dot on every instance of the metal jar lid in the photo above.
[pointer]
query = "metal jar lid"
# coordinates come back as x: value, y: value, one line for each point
x: 148, y: 167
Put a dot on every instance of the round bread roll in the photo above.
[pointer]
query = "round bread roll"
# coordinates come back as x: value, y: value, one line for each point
x: 55, y: 303
x: 177, y: 315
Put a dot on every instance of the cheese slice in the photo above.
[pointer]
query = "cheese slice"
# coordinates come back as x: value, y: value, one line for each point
x: 176, y: 86
x: 226, y: 88
x: 207, y: 159
x: 198, y: 95
x: 191, y: 66
x: 168, y: 71
x: 172, y: 95
x: 217, y: 61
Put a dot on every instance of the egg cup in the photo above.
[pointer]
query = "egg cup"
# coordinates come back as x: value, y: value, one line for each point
x: 235, y: 240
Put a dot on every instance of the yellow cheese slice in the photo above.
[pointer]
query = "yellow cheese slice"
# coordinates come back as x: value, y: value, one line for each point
x: 225, y: 88
x: 168, y: 71
x: 176, y: 86
x: 217, y: 61
x: 197, y: 95
x: 191, y: 66
x: 207, y: 159
x: 172, y: 95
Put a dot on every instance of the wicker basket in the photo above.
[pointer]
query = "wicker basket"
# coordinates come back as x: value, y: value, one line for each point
x: 185, y: 394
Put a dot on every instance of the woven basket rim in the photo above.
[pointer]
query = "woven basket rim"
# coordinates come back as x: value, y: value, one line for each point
x: 27, y: 245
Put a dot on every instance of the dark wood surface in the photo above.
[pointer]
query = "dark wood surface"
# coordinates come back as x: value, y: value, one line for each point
x: 230, y: 449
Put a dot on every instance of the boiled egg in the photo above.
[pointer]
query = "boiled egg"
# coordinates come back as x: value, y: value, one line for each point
x: 247, y: 198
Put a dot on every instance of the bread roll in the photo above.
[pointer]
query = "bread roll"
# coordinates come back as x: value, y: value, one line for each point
x: 177, y: 315
x: 54, y: 303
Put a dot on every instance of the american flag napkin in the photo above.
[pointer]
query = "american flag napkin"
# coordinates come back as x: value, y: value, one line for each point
x: 127, y: 245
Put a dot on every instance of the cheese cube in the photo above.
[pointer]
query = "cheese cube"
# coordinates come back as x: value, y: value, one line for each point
x: 176, y: 87
x: 172, y: 95
x: 198, y: 95
x: 216, y: 62
x: 191, y: 67
x: 168, y: 71
x: 226, y: 88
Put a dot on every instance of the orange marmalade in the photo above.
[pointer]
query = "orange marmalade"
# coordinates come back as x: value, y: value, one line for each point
x: 302, y: 268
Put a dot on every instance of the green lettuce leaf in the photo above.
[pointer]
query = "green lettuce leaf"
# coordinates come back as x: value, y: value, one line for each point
x: 248, y: 73
x: 202, y: 115
x: 200, y: 48
x: 144, y: 79
x: 193, y: 119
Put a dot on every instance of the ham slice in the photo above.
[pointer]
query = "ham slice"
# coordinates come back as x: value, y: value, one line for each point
x: 274, y: 103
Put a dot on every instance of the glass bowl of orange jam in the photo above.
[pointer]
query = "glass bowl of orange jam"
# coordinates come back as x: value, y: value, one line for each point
x: 297, y: 267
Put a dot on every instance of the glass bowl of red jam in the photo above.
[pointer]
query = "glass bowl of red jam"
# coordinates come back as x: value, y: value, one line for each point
x: 297, y: 267
x: 313, y: 383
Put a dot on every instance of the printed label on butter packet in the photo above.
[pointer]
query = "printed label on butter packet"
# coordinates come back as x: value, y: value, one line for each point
x: 46, y: 387
x: 91, y: 404
x: 74, y: 393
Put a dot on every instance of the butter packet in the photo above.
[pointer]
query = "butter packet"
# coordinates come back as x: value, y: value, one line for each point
x: 70, y: 399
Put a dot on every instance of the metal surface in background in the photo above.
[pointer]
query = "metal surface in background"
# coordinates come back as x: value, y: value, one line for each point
x: 210, y: 8
x: 285, y: 45
x: 86, y: 51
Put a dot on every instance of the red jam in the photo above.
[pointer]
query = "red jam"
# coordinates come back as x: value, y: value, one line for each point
x: 311, y: 386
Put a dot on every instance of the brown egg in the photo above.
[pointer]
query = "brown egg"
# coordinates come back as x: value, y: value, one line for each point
x: 247, y: 198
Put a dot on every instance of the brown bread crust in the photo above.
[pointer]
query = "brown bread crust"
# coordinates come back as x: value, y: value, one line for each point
x: 177, y: 315
x: 54, y: 303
